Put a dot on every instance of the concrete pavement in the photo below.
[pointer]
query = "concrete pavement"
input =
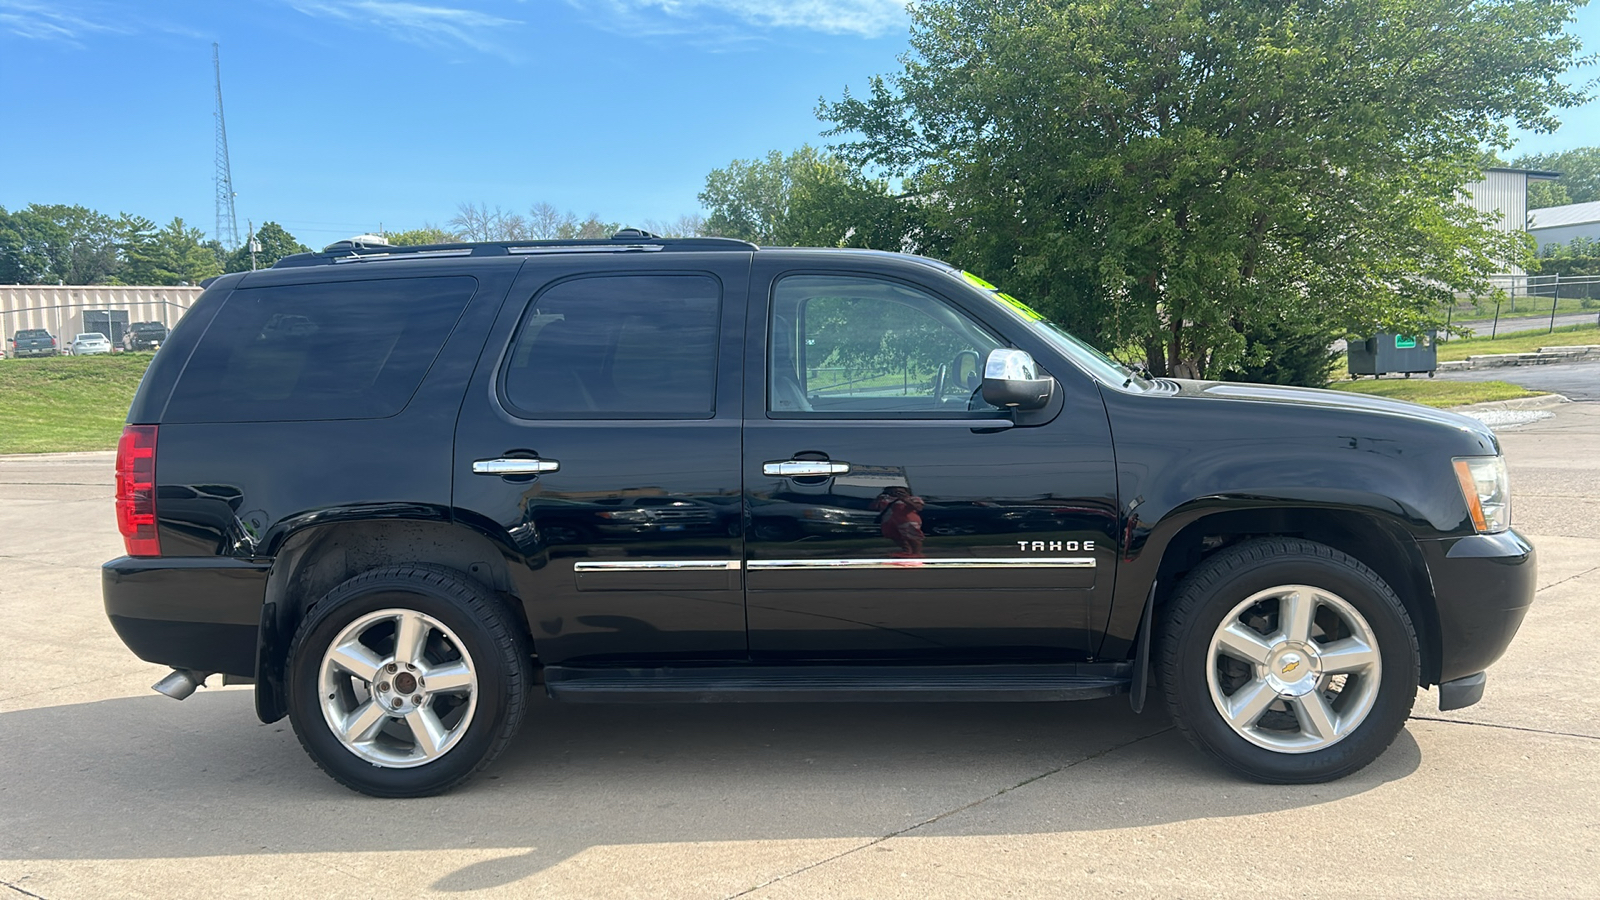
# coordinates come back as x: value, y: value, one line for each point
x: 109, y: 790
x: 1575, y: 380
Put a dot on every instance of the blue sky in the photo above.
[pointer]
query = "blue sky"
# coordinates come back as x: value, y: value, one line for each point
x: 347, y: 114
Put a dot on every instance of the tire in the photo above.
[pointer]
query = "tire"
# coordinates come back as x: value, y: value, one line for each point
x: 1288, y: 661
x: 344, y: 667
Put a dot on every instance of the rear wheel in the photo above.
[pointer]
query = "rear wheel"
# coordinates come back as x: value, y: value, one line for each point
x: 1289, y: 661
x: 405, y: 680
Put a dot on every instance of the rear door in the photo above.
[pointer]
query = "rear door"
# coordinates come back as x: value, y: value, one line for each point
x: 893, y: 514
x: 600, y: 441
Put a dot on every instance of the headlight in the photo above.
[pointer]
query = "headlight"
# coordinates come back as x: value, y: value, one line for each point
x: 1486, y: 490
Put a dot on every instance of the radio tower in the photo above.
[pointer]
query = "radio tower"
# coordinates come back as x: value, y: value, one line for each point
x: 227, y: 224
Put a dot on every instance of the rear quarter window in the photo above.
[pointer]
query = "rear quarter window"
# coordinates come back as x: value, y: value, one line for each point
x: 341, y: 350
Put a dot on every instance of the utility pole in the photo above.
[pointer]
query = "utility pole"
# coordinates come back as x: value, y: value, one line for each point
x: 254, y: 245
x: 227, y: 223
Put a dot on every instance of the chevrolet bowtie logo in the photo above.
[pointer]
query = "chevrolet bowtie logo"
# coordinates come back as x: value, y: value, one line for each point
x: 1291, y: 667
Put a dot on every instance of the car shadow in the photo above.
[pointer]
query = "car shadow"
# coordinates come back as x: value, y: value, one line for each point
x: 145, y: 777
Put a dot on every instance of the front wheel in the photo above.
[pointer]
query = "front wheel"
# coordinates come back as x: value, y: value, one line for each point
x: 406, y: 680
x: 1289, y: 661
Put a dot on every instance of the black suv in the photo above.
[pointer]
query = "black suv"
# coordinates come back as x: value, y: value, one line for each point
x: 398, y: 488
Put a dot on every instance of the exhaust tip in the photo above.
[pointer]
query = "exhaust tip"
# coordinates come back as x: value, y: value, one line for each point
x: 180, y: 683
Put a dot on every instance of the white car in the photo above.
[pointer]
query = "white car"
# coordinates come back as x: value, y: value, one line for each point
x: 90, y: 343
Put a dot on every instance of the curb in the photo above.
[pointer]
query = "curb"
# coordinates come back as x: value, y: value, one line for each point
x: 1544, y: 356
x: 68, y: 454
x: 1543, y: 401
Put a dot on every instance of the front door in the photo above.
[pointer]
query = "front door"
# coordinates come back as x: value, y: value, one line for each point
x: 893, y: 515
x: 600, y: 439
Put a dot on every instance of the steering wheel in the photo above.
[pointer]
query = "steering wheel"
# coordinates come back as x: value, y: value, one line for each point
x: 938, y: 382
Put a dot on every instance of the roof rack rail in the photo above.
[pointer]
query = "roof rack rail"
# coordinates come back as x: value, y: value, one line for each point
x: 628, y: 240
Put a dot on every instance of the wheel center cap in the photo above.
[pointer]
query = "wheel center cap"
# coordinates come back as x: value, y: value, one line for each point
x: 405, y: 683
x: 1294, y: 670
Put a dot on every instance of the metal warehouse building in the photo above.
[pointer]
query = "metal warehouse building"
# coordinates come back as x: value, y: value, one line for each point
x: 1560, y: 224
x: 67, y: 310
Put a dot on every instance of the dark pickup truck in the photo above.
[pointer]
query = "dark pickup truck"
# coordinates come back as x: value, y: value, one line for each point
x: 647, y: 470
x: 33, y: 342
x: 144, y: 336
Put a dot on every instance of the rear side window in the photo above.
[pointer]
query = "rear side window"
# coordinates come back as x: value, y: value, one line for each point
x: 343, y: 350
x: 618, y: 347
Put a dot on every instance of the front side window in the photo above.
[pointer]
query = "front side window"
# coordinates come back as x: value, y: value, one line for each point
x: 854, y: 346
x: 621, y: 347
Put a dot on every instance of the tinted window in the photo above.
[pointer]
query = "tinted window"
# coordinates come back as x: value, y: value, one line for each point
x: 860, y: 346
x: 347, y: 350
x: 629, y: 346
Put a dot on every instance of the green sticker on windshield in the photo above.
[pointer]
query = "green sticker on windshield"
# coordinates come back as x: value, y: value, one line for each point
x: 1023, y: 308
x: 1020, y: 307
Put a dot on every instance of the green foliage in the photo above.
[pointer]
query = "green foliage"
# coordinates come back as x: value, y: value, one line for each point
x: 1542, y: 194
x: 807, y: 199
x: 1163, y: 174
x: 57, y: 244
x: 175, y: 254
x: 1580, y: 177
x: 1285, y: 353
x: 276, y: 243
x: 417, y: 237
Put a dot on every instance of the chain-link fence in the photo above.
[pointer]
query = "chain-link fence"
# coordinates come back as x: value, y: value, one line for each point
x: 68, y: 310
x: 1562, y: 299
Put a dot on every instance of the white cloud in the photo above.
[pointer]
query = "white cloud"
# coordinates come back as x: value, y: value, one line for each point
x: 424, y: 24
x: 865, y: 18
x: 47, y: 21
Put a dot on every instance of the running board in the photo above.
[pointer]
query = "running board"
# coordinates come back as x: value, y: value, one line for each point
x: 859, y: 684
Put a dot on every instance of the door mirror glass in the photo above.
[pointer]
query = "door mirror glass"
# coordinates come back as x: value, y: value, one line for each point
x: 1011, y: 380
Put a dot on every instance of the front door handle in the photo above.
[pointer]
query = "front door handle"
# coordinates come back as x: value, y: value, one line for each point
x: 504, y: 466
x: 804, y: 468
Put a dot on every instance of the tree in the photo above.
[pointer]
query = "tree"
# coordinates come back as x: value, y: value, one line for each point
x: 807, y: 198
x: 175, y: 254
x: 546, y: 223
x: 416, y: 237
x: 276, y: 243
x: 1162, y: 175
x: 480, y: 223
x: 1580, y: 176
x: 684, y: 226
x: 57, y: 244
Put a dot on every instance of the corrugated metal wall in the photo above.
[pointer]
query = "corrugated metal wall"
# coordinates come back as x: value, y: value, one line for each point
x: 59, y: 309
x: 1503, y: 193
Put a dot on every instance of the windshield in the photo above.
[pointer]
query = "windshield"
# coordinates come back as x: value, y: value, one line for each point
x: 1097, y: 364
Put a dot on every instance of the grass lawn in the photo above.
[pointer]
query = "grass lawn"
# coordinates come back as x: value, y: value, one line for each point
x: 1524, y: 342
x: 67, y: 402
x: 1428, y: 392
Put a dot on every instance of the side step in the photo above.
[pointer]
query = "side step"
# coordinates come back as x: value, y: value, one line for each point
x: 859, y: 684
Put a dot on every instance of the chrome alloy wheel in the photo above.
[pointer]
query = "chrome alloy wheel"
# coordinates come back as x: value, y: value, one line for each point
x: 398, y: 688
x: 1294, y: 669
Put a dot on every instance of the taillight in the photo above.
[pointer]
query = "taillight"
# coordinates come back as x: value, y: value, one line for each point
x: 136, y: 490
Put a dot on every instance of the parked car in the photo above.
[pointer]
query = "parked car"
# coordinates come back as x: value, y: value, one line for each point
x: 144, y: 336
x: 399, y: 489
x: 90, y: 343
x: 33, y: 342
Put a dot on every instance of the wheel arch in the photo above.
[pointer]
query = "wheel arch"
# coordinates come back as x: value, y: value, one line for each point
x: 1381, y: 544
x: 316, y: 558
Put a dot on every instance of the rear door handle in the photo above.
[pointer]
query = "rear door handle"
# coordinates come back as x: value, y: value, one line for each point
x: 504, y: 466
x: 803, y: 468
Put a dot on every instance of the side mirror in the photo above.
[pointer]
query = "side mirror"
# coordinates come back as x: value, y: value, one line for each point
x: 1011, y: 380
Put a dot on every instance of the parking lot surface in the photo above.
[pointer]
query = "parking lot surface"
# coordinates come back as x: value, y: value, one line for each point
x: 109, y: 790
